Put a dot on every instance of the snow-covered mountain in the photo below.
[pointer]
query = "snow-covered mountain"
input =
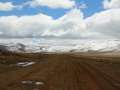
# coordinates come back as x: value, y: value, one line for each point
x: 58, y: 45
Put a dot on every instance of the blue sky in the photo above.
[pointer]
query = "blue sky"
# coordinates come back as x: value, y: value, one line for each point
x: 93, y: 6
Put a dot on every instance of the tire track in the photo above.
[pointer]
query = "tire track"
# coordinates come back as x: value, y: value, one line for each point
x: 86, y: 82
x: 65, y: 72
x: 103, y: 81
x: 110, y: 80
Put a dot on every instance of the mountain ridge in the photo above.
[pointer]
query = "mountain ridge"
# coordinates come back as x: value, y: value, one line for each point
x: 56, y: 46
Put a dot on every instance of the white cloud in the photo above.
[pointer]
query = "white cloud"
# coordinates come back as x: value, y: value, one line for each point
x: 66, y: 4
x: 8, y: 6
x: 105, y: 24
x: 108, y: 4
x: 69, y: 25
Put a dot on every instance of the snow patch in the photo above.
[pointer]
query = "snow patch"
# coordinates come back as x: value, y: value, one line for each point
x: 39, y: 83
x: 24, y: 64
x: 26, y: 82
x: 32, y: 82
x: 60, y: 45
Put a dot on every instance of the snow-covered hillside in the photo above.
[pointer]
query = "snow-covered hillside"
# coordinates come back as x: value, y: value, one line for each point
x: 60, y: 45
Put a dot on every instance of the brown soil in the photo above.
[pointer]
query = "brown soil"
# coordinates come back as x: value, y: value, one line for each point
x: 59, y: 72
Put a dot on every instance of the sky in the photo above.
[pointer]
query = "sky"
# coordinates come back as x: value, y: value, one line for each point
x: 74, y: 19
x: 90, y: 8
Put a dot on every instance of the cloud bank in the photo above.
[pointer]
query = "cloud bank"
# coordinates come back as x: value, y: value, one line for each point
x: 71, y: 25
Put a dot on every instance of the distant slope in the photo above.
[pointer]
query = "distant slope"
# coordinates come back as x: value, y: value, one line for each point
x: 63, y: 46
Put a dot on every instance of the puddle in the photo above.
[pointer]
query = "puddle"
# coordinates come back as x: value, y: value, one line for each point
x: 24, y: 64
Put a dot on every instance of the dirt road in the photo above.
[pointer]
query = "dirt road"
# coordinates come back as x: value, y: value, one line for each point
x: 62, y: 72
